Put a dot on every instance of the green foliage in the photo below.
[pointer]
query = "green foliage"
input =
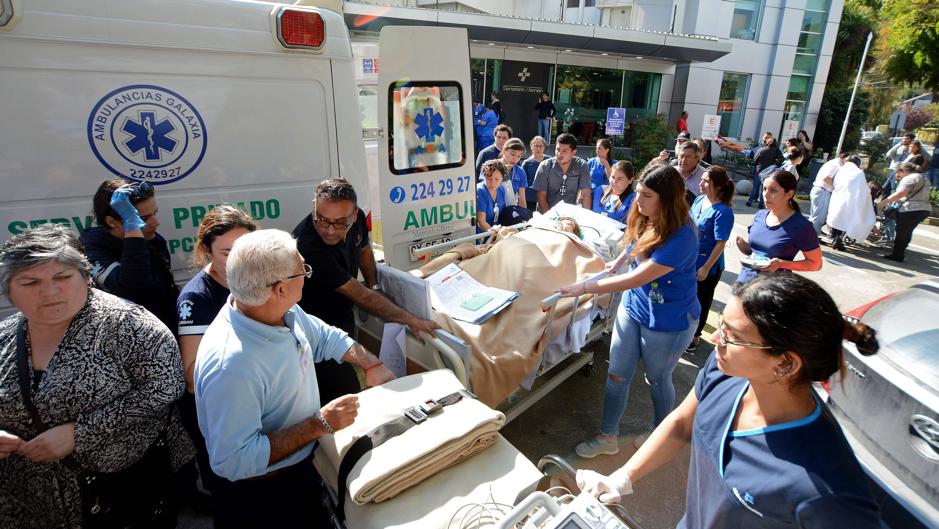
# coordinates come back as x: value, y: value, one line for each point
x: 652, y: 135
x: 831, y: 118
x: 858, y: 20
x: 875, y: 149
x: 909, y: 42
x: 934, y: 196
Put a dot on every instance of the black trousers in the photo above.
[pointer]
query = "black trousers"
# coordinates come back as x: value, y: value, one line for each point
x: 706, y: 297
x: 335, y: 380
x: 906, y: 223
x: 290, y: 497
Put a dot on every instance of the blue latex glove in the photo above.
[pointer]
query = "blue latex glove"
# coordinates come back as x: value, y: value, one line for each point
x: 120, y: 202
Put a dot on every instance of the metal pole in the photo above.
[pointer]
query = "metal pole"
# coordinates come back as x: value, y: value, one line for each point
x: 857, y: 81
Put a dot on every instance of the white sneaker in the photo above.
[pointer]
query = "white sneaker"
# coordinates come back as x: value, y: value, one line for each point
x: 596, y: 446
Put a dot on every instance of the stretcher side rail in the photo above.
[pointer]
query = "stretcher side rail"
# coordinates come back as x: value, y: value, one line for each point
x: 428, y: 250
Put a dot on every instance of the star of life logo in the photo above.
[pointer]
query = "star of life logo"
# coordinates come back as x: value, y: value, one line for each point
x: 524, y: 74
x: 185, y: 311
x: 147, y: 133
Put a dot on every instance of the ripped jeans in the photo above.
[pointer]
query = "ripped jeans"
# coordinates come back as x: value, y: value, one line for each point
x: 659, y: 352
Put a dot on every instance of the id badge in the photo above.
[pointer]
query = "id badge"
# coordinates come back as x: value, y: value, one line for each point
x: 306, y: 356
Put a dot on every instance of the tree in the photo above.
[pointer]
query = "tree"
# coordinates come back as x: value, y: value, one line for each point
x: 652, y: 135
x: 916, y: 118
x: 831, y: 117
x: 858, y: 20
x: 908, y: 46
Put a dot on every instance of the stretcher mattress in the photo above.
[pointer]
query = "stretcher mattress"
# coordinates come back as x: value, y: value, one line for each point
x: 447, y: 437
x: 509, y: 346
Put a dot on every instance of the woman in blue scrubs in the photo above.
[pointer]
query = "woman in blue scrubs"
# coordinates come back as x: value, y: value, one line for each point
x: 713, y: 214
x: 490, y: 195
x: 659, y: 311
x: 765, y: 452
x: 601, y: 165
x: 779, y: 232
x: 614, y: 200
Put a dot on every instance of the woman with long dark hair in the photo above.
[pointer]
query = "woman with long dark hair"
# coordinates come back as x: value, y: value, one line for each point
x: 601, y: 165
x: 713, y: 214
x: 659, y: 311
x: 614, y: 200
x: 779, y: 232
x: 765, y: 452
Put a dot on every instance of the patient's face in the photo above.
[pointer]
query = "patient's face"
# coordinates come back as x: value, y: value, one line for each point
x: 566, y: 225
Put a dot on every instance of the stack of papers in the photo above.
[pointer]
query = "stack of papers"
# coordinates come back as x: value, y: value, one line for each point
x: 455, y: 293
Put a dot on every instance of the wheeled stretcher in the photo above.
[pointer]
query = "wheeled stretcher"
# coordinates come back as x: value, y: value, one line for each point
x: 425, y: 453
x: 529, y: 344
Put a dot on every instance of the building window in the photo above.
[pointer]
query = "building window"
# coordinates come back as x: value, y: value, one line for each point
x: 583, y: 95
x: 576, y: 3
x: 746, y: 19
x: 805, y: 62
x: 733, y: 99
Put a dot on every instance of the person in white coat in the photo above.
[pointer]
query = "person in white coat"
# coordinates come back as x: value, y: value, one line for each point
x: 849, y: 211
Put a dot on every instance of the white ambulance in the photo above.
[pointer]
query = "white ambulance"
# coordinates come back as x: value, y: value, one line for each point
x: 228, y: 101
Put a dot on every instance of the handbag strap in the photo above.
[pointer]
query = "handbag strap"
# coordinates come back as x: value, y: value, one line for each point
x: 22, y: 368
x: 913, y: 194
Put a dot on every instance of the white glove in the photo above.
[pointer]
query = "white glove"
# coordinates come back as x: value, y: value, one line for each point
x: 608, y: 489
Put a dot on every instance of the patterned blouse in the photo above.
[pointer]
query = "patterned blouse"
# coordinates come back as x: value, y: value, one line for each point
x: 116, y: 374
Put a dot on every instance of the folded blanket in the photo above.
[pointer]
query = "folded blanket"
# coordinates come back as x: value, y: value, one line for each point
x: 447, y: 437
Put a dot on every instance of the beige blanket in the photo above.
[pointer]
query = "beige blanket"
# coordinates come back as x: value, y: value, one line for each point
x: 446, y: 438
x: 535, y: 263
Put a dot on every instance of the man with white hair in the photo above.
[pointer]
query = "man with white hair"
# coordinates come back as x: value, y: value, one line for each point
x: 256, y: 388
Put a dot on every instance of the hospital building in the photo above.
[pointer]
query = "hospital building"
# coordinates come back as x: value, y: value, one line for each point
x: 756, y: 63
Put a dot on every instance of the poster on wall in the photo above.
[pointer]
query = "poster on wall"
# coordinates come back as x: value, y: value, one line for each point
x: 710, y: 127
x: 790, y: 129
x: 615, y: 121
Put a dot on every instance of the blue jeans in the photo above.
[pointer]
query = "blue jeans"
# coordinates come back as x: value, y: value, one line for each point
x: 820, y: 198
x: 889, y: 183
x: 757, y: 191
x: 659, y: 352
x: 933, y: 176
x: 544, y: 129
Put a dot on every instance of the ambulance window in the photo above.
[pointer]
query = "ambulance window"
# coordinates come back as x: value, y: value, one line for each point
x: 427, y: 130
x: 368, y: 106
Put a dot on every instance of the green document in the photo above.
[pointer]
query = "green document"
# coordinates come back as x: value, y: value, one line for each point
x: 476, y: 302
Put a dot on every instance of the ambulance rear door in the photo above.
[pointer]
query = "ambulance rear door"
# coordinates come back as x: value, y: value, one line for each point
x: 427, y: 187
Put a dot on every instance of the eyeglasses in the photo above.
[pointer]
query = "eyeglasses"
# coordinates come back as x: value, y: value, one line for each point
x: 307, y: 273
x: 326, y: 224
x: 725, y: 341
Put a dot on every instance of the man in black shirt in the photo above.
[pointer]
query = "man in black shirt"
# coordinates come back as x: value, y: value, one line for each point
x: 334, y: 241
x: 546, y: 111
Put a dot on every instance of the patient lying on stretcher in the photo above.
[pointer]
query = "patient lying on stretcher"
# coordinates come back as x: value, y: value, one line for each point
x: 533, y: 262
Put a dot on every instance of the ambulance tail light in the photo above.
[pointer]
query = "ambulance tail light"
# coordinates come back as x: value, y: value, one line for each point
x: 300, y: 29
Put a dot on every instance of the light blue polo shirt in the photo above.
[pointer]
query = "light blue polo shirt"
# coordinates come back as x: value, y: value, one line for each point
x: 252, y: 379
